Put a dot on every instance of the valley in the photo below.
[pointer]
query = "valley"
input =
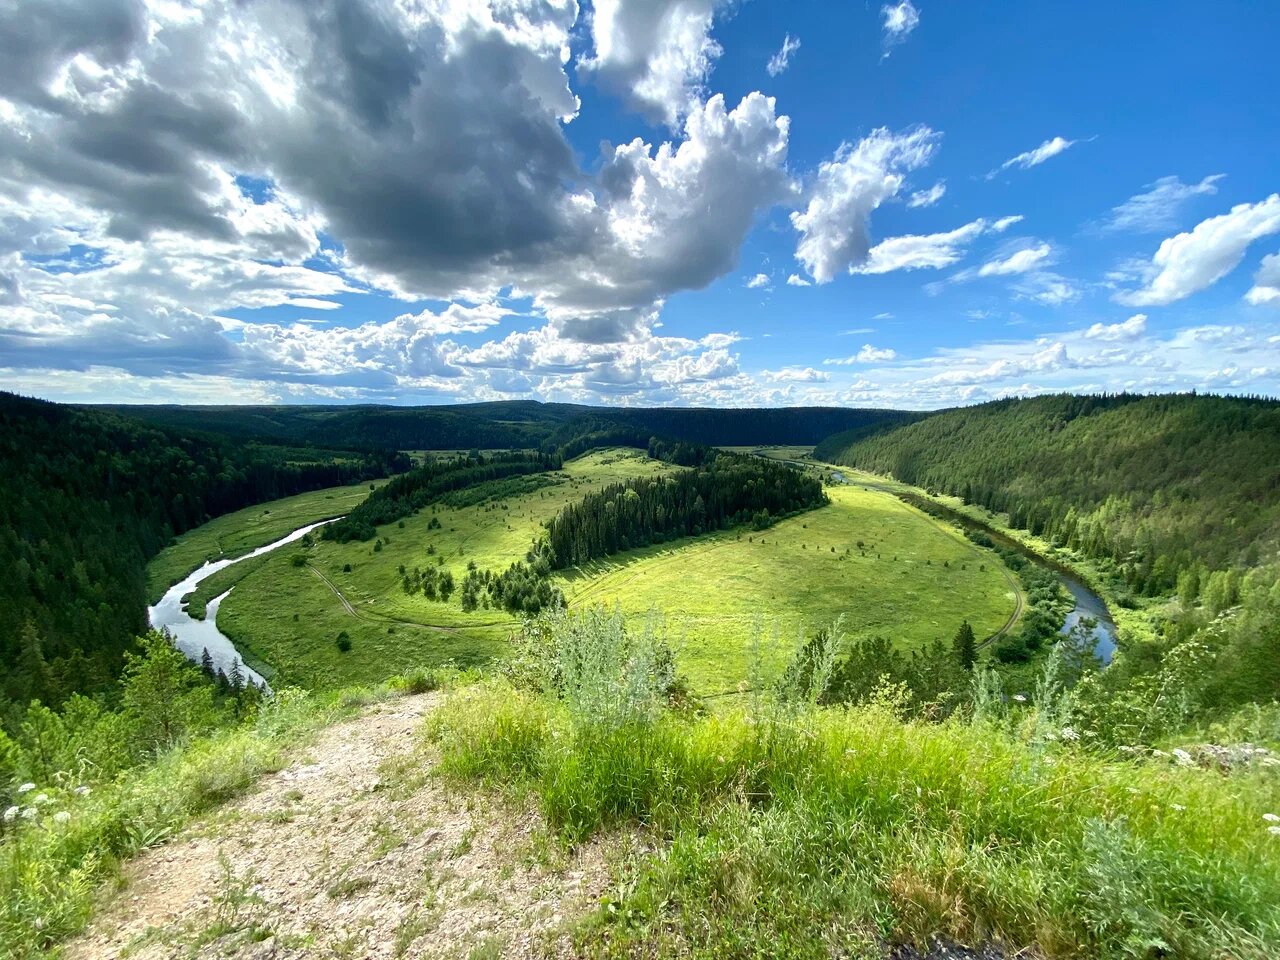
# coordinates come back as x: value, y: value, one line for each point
x: 879, y: 565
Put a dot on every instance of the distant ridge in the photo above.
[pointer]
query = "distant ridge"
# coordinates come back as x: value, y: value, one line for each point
x: 506, y: 423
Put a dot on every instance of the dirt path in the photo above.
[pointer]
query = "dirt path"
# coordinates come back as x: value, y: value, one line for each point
x: 354, y: 850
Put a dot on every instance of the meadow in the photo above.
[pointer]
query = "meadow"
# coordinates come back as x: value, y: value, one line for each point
x: 234, y: 534
x: 729, y: 597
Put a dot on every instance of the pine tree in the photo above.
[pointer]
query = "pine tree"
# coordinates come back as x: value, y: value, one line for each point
x: 966, y: 646
x: 206, y: 664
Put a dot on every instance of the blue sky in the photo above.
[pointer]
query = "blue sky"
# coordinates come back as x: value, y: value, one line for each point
x: 920, y: 204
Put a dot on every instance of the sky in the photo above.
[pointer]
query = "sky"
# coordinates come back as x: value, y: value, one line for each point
x: 637, y: 202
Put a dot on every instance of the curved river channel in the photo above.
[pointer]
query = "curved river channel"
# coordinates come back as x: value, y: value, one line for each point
x: 193, y: 636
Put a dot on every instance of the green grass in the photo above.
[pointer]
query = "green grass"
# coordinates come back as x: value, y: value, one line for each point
x: 821, y: 832
x: 914, y: 581
x: 716, y: 590
x: 238, y: 533
x: 391, y: 631
x: 51, y: 871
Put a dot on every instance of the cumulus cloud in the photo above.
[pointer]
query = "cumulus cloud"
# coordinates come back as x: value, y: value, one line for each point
x: 927, y: 198
x: 834, y: 227
x: 1266, y: 283
x: 1129, y: 329
x: 1033, y: 158
x: 758, y: 281
x: 795, y: 280
x: 868, y: 354
x: 899, y: 19
x: 1020, y: 261
x: 1191, y: 261
x: 1158, y: 207
x: 779, y: 62
x: 656, y: 53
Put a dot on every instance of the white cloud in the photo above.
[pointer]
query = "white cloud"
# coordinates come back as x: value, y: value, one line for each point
x: 758, y: 281
x: 1266, y: 283
x: 1129, y: 329
x: 796, y: 375
x: 657, y: 53
x: 1020, y: 261
x: 782, y: 59
x: 868, y: 354
x: 899, y: 20
x: 1004, y: 223
x: 314, y: 303
x: 795, y: 280
x: 927, y: 198
x: 931, y: 251
x: 834, y: 227
x: 1157, y: 209
x: 1190, y: 262
x: 1033, y: 158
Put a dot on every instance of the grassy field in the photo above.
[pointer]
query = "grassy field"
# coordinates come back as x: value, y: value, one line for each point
x: 912, y: 580
x: 289, y: 617
x: 237, y: 533
x: 884, y: 567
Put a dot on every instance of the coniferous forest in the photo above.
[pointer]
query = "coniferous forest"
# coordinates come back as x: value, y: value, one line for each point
x: 726, y: 490
x: 86, y: 498
x: 1169, y: 488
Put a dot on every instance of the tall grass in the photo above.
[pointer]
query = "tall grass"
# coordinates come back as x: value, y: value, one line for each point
x: 812, y: 832
x: 69, y: 837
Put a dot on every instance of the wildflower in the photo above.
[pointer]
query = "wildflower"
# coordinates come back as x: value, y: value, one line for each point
x: 1069, y: 733
x: 1177, y: 806
x: 61, y: 816
x: 82, y: 791
x: 29, y: 812
x: 1271, y: 818
x: 1021, y: 698
x: 41, y: 799
x: 1274, y: 831
x: 26, y: 788
x: 11, y: 814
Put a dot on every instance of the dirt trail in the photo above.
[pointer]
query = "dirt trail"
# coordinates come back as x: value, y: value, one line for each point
x: 354, y: 850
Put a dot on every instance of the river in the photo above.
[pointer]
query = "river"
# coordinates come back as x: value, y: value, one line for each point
x: 193, y: 636
x: 1088, y: 605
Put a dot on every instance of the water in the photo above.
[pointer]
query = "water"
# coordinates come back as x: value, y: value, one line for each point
x: 193, y: 636
x: 1089, y: 606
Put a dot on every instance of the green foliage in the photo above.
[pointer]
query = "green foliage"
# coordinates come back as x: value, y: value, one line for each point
x: 728, y: 489
x: 407, y: 494
x: 786, y: 828
x: 86, y: 497
x: 1158, y: 485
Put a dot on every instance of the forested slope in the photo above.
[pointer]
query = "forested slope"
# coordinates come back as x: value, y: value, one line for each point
x: 508, y: 424
x: 86, y: 498
x: 1162, y: 485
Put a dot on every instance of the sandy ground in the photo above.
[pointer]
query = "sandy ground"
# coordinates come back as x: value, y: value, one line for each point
x: 354, y: 850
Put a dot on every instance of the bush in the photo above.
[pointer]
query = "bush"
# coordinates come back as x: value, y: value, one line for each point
x: 343, y: 642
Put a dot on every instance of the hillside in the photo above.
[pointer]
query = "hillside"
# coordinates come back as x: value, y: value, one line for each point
x: 1162, y: 486
x: 505, y: 424
x: 86, y: 498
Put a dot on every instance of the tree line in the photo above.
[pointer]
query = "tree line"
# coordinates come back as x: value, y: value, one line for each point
x: 726, y: 490
x: 410, y: 492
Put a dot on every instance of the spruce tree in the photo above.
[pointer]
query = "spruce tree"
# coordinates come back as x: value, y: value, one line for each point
x: 966, y: 646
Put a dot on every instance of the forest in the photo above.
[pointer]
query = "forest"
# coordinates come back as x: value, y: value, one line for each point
x: 1169, y: 488
x: 86, y: 498
x: 410, y: 492
x: 510, y: 424
x: 728, y: 489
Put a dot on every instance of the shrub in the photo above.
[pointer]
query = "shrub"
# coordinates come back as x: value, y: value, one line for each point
x: 343, y: 642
